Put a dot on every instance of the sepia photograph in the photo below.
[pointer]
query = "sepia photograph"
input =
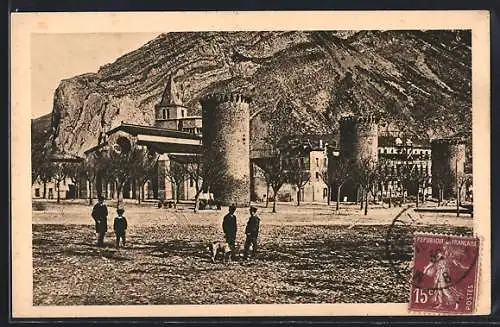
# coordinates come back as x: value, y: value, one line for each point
x: 261, y: 166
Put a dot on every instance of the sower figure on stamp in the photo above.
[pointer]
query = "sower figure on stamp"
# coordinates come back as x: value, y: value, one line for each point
x: 252, y: 232
x: 439, y: 267
x: 100, y: 215
x: 120, y: 226
x: 229, y: 227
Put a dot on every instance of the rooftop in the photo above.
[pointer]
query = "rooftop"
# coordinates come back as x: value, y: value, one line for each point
x: 390, y: 140
x: 152, y: 130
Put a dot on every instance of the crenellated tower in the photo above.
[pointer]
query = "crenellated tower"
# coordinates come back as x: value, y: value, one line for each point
x: 226, y: 138
x: 359, y: 138
x: 448, y: 160
x: 358, y: 141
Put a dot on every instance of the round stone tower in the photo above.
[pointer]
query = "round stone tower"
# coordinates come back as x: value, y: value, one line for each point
x: 448, y: 157
x: 359, y: 138
x: 358, y: 141
x: 226, y: 138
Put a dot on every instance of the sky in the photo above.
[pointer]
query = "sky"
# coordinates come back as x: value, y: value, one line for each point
x: 60, y: 56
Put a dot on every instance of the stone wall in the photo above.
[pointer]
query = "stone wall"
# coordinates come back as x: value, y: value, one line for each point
x: 226, y: 137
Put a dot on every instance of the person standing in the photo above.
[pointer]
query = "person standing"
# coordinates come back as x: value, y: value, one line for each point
x: 100, y: 215
x: 252, y: 232
x: 229, y: 227
x: 120, y: 226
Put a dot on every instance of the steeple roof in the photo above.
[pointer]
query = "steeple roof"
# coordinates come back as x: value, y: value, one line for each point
x: 171, y: 95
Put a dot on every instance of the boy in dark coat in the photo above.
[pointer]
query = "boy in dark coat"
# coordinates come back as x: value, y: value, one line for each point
x: 120, y: 226
x: 229, y: 227
x: 252, y: 232
x: 100, y: 215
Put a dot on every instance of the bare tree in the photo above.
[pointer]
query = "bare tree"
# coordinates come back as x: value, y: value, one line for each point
x: 141, y: 163
x: 463, y: 180
x: 206, y: 172
x: 274, y: 175
x: 45, y: 172
x: 88, y: 170
x: 422, y: 181
x: 384, y: 178
x: 176, y: 174
x: 60, y: 174
x: 73, y: 172
x: 337, y: 174
x: 325, y: 177
x: 366, y: 173
x: 297, y: 174
x: 441, y: 178
x: 118, y: 171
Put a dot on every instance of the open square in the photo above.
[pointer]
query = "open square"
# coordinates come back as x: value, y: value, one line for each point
x: 306, y: 255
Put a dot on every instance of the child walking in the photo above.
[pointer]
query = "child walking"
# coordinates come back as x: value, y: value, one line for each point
x: 120, y: 226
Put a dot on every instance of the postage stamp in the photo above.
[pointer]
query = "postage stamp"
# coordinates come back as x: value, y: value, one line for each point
x: 445, y: 270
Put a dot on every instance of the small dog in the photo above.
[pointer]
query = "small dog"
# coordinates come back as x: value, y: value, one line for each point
x: 220, y: 247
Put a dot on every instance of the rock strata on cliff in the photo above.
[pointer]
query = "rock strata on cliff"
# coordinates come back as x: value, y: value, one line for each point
x: 416, y: 80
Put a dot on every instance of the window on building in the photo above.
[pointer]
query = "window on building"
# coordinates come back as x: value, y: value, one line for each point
x: 182, y: 113
x: 317, y: 162
x: 168, y: 114
x: 191, y: 182
x: 325, y: 193
x: 317, y: 175
x: 37, y: 192
x: 385, y: 151
x: 164, y: 113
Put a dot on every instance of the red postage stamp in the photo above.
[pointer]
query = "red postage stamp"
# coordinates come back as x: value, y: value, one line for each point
x: 444, y: 276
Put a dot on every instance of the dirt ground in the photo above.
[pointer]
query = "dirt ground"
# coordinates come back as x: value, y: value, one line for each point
x: 306, y: 255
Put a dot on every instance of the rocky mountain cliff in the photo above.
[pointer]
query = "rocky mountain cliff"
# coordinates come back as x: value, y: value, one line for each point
x: 300, y: 81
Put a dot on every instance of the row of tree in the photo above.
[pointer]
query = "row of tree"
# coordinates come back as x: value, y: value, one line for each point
x: 367, y: 175
x: 137, y: 165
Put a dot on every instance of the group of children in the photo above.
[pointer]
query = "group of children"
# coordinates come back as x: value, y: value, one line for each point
x: 100, y: 215
x: 229, y: 226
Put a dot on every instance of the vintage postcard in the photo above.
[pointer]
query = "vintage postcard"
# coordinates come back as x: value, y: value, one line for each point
x: 250, y: 163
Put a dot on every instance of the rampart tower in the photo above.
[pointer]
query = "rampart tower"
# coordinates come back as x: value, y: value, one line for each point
x: 358, y: 141
x: 359, y: 138
x: 226, y: 138
x: 448, y: 161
